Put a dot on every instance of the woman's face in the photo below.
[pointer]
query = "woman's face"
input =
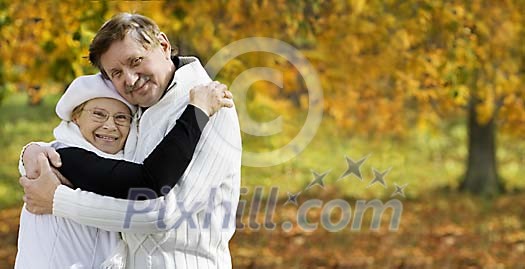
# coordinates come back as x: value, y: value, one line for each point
x: 108, y: 135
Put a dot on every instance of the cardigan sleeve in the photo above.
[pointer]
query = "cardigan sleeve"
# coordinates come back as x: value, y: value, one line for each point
x: 163, y: 167
x: 215, y: 167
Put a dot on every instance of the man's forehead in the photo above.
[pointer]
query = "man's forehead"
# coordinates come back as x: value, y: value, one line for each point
x: 122, y: 52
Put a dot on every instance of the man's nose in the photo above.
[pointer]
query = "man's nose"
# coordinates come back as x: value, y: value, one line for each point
x: 129, y: 80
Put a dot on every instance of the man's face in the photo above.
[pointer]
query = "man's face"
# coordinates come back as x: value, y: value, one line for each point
x: 140, y: 75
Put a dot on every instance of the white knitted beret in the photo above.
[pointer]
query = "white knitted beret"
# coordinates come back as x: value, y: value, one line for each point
x: 85, y: 88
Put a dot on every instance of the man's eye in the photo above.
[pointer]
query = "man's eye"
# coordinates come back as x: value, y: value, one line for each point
x: 115, y: 74
x: 136, y: 61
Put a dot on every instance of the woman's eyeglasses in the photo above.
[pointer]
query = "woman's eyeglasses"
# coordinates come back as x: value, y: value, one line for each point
x: 101, y: 115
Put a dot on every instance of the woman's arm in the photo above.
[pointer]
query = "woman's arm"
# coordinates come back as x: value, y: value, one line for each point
x: 163, y: 167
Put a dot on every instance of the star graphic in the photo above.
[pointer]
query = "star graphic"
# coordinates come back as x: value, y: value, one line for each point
x: 354, y: 167
x: 400, y: 190
x: 318, y: 179
x: 292, y: 198
x: 379, y: 177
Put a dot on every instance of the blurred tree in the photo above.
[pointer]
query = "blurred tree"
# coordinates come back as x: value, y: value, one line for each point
x: 45, y: 41
x: 389, y: 65
x: 468, y: 55
x: 436, y: 57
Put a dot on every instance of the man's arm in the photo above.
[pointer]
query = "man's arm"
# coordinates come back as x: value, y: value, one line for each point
x: 163, y: 167
x: 218, y: 168
x: 115, y: 177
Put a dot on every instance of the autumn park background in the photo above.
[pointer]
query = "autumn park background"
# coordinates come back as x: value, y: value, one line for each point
x: 431, y: 92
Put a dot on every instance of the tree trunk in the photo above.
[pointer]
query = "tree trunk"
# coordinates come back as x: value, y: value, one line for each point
x: 482, y: 175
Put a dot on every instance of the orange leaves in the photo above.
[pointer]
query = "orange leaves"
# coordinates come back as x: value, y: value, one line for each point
x: 461, y: 95
x: 409, y: 61
x: 513, y: 114
x: 46, y: 42
x: 430, y: 236
x: 401, y: 40
x: 357, y: 6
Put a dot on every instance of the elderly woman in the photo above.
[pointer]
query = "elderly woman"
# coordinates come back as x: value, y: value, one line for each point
x: 96, y: 130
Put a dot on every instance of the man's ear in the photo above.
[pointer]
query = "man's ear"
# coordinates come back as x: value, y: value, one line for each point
x: 164, y: 43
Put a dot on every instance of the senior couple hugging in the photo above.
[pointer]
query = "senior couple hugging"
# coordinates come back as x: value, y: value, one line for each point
x: 144, y: 171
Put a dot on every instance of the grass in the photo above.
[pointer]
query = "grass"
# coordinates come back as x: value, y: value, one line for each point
x: 19, y: 125
x: 425, y: 161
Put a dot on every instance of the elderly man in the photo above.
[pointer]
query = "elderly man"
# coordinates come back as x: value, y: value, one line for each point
x: 191, y: 225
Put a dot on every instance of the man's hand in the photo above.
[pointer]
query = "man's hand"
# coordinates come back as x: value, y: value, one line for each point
x: 39, y: 192
x: 211, y: 97
x: 30, y: 159
x: 62, y: 178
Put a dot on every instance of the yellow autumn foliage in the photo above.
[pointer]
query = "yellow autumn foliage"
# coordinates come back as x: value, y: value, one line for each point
x: 379, y: 62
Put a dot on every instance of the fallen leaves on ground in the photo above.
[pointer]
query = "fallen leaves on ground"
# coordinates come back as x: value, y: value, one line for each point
x: 438, y: 231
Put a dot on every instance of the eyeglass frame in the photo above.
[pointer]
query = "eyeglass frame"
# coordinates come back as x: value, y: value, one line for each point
x: 106, y: 118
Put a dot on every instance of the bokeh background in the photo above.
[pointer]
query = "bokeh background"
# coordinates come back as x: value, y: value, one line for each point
x: 431, y: 91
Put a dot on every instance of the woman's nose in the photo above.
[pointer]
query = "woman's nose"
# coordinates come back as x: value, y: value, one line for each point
x: 110, y: 123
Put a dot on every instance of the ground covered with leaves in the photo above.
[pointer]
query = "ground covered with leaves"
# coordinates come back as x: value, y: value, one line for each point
x: 436, y: 231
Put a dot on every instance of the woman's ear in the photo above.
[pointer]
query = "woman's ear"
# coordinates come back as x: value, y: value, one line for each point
x: 75, y: 119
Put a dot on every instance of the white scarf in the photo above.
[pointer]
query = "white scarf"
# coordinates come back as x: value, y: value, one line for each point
x: 68, y: 133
